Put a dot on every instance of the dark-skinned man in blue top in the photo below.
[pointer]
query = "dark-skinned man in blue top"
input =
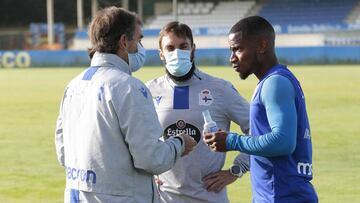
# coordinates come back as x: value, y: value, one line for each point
x: 280, y: 140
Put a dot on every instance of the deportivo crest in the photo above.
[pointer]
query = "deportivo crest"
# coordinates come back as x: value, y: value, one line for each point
x: 182, y: 127
x: 205, y: 97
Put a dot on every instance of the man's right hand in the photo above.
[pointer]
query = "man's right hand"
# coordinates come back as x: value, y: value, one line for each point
x: 189, y: 143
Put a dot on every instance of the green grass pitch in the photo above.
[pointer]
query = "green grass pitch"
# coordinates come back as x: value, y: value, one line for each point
x: 29, y: 102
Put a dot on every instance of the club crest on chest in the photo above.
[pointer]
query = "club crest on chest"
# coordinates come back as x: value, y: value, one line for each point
x: 205, y: 97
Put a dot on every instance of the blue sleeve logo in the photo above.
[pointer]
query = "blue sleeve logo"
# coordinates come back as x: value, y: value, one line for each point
x: 143, y: 91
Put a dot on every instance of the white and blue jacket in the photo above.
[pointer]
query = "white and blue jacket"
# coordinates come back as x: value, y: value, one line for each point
x: 107, y: 134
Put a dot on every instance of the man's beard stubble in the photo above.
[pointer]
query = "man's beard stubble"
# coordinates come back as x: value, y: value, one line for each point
x: 184, y: 78
x: 253, y: 68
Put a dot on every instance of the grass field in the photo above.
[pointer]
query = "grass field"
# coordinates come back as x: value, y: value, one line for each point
x: 29, y: 101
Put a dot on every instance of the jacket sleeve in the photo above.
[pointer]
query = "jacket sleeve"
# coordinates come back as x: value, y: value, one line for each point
x: 59, y: 142
x: 242, y: 160
x: 237, y: 109
x: 141, y: 129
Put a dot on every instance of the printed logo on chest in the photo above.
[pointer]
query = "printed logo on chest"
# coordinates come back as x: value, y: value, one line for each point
x: 205, y: 97
x: 182, y: 127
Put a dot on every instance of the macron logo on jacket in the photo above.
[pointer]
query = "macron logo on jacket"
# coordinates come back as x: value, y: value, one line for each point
x: 81, y: 174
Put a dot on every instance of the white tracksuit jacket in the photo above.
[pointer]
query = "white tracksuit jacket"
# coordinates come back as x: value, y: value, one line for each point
x: 107, y: 134
x: 179, y: 106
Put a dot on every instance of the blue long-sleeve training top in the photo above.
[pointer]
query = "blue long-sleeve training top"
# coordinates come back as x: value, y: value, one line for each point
x: 278, y: 97
x: 280, y: 140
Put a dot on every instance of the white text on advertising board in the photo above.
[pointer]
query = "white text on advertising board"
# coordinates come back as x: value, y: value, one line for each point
x: 11, y: 59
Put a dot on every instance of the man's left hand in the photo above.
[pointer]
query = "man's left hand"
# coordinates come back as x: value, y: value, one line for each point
x: 215, y: 182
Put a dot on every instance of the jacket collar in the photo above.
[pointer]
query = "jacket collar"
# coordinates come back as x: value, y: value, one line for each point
x: 110, y: 60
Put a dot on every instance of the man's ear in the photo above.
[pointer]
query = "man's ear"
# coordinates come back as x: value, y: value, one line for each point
x: 123, y: 42
x: 161, y: 54
x: 263, y: 45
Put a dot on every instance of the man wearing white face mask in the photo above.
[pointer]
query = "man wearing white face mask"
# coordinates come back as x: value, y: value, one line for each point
x: 180, y: 96
x: 107, y: 133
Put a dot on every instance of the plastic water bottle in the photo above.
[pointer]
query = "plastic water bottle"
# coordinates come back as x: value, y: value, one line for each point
x: 209, y: 125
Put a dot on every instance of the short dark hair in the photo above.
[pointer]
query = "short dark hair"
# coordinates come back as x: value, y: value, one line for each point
x: 106, y: 28
x: 179, y: 29
x: 254, y: 26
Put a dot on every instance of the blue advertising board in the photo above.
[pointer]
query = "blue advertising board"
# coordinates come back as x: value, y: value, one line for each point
x: 212, y: 57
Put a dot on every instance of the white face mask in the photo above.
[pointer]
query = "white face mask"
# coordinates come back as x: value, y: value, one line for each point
x: 137, y: 59
x: 178, y: 62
